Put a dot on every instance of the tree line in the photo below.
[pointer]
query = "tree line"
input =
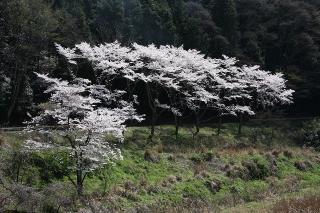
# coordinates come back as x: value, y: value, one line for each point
x: 278, y: 35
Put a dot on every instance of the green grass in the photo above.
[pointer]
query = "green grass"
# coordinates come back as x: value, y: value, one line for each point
x: 188, y: 165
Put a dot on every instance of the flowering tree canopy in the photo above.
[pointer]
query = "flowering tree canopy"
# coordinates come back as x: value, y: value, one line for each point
x: 190, y: 78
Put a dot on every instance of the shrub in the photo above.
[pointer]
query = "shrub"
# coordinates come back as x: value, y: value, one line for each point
x: 258, y: 168
x: 288, y: 154
x: 276, y: 153
x: 199, y: 169
x: 152, y: 156
x: 130, y: 186
x: 172, y: 179
x: 153, y: 189
x: 58, y: 196
x: 131, y: 196
x: 196, y: 158
x: 311, y: 133
x: 214, y: 186
x: 51, y: 165
x: 303, y: 165
x: 237, y: 172
x: 309, y: 204
x: 208, y: 156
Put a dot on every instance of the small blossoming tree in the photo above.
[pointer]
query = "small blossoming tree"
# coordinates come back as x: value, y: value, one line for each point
x: 85, y: 110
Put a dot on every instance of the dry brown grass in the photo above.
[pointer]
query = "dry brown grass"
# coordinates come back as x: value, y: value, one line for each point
x: 309, y: 204
x: 242, y: 149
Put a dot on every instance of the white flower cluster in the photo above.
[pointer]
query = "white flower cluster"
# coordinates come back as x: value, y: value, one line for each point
x: 197, y: 80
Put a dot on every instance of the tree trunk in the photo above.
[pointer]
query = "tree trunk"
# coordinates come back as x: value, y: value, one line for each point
x: 197, y: 124
x: 176, y: 121
x: 79, y: 182
x: 219, y: 125
x: 153, y: 124
x: 153, y: 108
x: 240, y: 125
x: 15, y: 95
x: 80, y: 175
x: 271, y: 138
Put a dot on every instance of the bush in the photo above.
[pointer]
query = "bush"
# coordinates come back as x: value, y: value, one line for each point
x: 206, y: 156
x: 311, y: 133
x: 214, y: 186
x: 309, y: 204
x: 288, y: 154
x: 237, y: 172
x: 303, y: 165
x: 196, y: 158
x: 153, y: 189
x: 258, y: 168
x: 152, y: 156
x: 51, y: 165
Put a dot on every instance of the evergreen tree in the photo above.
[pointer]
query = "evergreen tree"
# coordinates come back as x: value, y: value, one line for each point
x: 225, y: 16
x: 198, y: 28
x: 110, y: 20
x: 27, y: 31
x: 133, y: 21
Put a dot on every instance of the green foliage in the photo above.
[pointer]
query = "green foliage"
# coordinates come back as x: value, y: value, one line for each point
x: 258, y: 168
x: 311, y: 133
x: 52, y: 165
x: 225, y: 16
x: 249, y: 191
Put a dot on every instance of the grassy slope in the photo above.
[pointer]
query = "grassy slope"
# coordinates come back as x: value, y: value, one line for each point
x: 187, y: 168
x: 137, y: 182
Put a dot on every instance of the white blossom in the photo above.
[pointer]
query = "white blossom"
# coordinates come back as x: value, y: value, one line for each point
x: 196, y: 79
x: 80, y: 106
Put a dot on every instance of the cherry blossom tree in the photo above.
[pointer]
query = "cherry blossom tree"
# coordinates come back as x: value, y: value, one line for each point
x: 261, y: 90
x: 85, y: 109
x: 190, y: 79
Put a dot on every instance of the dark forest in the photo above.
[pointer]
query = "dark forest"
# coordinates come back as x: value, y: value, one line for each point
x: 280, y: 35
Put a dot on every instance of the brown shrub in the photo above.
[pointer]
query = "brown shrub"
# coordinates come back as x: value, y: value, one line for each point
x: 172, y: 179
x: 179, y: 178
x: 143, y: 182
x: 188, y: 205
x: 310, y: 204
x: 152, y: 156
x: 303, y: 165
x: 202, y: 175
x: 237, y: 172
x: 130, y: 186
x: 171, y: 158
x: 118, y: 190
x: 153, y: 189
x: 165, y: 183
x: 276, y: 153
x: 159, y: 148
x: 131, y: 196
x: 199, y: 168
x: 214, y: 186
x: 288, y: 154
